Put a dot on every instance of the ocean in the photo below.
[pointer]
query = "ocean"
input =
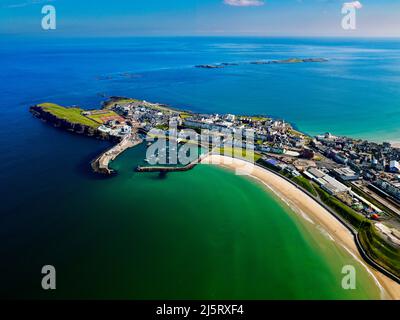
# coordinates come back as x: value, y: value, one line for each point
x: 200, y: 234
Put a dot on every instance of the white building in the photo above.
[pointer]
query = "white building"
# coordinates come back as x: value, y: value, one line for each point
x: 328, y: 183
x: 346, y: 174
x: 230, y: 117
x: 394, y: 166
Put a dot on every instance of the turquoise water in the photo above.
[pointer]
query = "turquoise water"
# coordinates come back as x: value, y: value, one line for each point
x: 356, y: 93
x: 203, y: 234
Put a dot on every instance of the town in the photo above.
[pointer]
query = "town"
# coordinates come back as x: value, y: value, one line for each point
x: 364, y: 176
x: 337, y: 164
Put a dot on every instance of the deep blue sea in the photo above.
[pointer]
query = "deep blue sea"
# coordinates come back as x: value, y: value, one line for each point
x: 357, y: 93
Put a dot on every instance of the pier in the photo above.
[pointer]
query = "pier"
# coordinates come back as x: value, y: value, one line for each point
x: 101, y: 164
x: 165, y: 169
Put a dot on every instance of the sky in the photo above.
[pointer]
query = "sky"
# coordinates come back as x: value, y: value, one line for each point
x: 374, y: 18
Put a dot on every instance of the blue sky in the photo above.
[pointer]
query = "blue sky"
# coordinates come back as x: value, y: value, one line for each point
x: 201, y: 17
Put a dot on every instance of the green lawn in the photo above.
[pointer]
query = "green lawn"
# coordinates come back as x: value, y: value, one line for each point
x: 306, y: 184
x: 122, y: 101
x: 234, y: 151
x: 73, y: 115
x: 99, y: 116
x: 254, y: 118
x: 384, y: 254
x: 185, y: 115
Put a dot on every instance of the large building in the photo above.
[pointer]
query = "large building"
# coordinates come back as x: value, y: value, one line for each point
x: 328, y: 183
x: 391, y: 188
x: 394, y: 166
x: 338, y: 157
x: 207, y: 124
x: 346, y: 174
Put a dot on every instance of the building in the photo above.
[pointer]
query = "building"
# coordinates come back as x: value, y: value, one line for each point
x: 346, y: 174
x: 326, y: 182
x: 338, y: 157
x: 292, y: 171
x: 104, y: 129
x: 124, y: 130
x: 391, y: 188
x: 394, y: 166
x: 273, y: 163
x: 273, y: 150
x: 207, y: 124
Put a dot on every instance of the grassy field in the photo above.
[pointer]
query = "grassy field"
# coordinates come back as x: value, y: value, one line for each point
x: 165, y: 109
x: 103, y: 116
x: 185, y: 115
x: 73, y: 115
x: 306, y: 184
x: 255, y: 118
x: 122, y: 101
x: 386, y: 255
x: 234, y: 151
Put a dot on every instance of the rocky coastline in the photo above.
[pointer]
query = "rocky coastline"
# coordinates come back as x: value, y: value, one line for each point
x: 81, y: 129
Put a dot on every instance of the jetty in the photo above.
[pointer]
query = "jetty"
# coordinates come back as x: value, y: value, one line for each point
x: 164, y: 169
x: 101, y: 163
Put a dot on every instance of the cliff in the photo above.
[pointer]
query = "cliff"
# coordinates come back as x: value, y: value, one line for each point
x: 43, y: 113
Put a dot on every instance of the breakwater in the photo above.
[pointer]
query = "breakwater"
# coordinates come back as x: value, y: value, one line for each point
x: 101, y: 163
x: 165, y: 169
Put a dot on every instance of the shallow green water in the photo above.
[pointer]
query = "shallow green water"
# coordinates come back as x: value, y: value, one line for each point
x: 203, y: 234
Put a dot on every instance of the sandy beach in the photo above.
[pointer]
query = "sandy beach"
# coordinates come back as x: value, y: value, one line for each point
x: 395, y: 144
x: 302, y: 203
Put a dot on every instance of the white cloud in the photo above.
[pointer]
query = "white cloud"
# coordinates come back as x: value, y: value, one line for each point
x: 354, y: 4
x: 244, y: 3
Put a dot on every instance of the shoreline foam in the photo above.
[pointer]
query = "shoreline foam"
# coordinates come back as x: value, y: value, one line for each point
x: 303, y: 204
